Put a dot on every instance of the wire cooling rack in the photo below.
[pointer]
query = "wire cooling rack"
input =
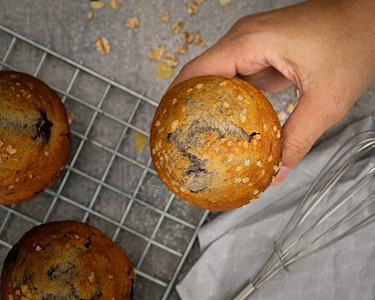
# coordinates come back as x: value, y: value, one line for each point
x: 107, y: 182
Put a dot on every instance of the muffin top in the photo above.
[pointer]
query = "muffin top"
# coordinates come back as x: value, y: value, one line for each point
x: 66, y: 260
x: 216, y: 142
x: 34, y: 136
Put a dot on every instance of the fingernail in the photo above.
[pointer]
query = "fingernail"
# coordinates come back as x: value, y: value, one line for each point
x: 281, y: 176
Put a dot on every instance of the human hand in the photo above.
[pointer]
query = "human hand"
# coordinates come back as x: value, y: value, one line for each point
x: 326, y: 49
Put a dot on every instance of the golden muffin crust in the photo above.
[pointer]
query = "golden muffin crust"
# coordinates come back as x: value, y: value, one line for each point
x: 216, y: 142
x: 66, y: 260
x: 34, y: 136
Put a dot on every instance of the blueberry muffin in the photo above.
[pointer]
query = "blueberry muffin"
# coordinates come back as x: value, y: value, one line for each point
x: 216, y: 142
x: 34, y: 136
x: 66, y: 260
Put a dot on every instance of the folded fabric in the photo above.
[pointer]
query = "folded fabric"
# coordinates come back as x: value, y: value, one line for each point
x: 236, y: 243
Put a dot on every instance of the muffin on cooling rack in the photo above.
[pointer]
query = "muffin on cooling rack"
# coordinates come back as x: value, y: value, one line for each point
x: 216, y: 142
x: 34, y: 136
x: 66, y: 260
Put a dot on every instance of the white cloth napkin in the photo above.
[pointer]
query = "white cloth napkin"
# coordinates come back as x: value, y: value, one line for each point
x: 235, y: 244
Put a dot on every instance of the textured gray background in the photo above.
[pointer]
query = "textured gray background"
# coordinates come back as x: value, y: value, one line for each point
x: 63, y: 26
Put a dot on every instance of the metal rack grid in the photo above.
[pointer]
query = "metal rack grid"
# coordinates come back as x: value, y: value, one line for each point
x: 107, y: 182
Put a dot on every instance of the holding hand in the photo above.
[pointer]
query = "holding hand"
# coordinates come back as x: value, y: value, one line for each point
x: 326, y: 49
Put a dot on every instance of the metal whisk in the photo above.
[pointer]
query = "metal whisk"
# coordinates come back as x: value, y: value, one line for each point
x: 340, y: 212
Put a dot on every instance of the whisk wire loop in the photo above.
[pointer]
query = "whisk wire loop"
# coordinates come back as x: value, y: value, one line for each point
x: 300, y: 237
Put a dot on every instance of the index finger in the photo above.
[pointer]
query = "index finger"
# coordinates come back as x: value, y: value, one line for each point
x: 209, y: 62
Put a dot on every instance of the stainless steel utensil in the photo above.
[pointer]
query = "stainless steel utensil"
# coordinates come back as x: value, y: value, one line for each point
x: 310, y: 230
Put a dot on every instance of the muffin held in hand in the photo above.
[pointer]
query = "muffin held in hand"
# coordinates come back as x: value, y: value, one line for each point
x: 34, y: 136
x: 216, y: 142
x: 66, y: 260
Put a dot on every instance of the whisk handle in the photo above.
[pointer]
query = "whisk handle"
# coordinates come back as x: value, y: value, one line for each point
x: 245, y: 291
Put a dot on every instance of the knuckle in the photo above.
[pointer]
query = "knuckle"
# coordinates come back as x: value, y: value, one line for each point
x: 240, y: 27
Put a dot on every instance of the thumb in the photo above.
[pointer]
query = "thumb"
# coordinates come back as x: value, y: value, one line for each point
x: 309, y: 120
